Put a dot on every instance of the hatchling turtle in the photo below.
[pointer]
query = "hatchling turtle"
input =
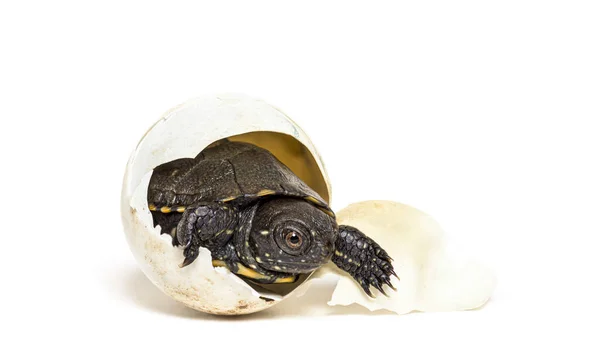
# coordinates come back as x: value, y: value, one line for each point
x: 257, y: 218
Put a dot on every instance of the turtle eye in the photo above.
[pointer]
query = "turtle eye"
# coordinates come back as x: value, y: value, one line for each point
x: 293, y: 239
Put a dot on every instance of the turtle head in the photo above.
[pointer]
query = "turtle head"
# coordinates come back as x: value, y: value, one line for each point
x: 292, y: 236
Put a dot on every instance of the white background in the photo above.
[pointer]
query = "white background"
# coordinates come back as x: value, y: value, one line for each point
x: 482, y: 114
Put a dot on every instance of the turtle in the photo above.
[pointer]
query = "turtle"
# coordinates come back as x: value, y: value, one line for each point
x: 258, y: 219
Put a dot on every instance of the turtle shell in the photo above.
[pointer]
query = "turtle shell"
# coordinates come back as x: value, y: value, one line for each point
x: 234, y: 172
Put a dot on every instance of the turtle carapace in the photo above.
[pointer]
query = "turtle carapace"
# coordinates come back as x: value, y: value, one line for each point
x: 257, y: 218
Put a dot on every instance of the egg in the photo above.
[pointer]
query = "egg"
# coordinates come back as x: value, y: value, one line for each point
x: 182, y: 132
x: 187, y: 129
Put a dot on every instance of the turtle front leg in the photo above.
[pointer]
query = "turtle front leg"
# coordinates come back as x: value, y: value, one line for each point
x: 210, y: 225
x: 363, y: 259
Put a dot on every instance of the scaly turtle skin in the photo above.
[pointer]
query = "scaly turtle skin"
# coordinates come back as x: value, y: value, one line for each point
x: 257, y: 218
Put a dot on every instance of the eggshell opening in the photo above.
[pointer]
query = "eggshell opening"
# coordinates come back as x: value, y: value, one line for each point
x: 183, y: 132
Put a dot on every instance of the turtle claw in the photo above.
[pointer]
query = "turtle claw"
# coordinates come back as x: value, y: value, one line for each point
x: 379, y: 287
x: 365, y: 286
x: 190, y: 256
x: 387, y: 281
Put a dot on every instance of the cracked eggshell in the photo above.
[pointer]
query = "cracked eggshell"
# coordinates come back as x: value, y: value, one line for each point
x: 432, y: 276
x: 183, y: 132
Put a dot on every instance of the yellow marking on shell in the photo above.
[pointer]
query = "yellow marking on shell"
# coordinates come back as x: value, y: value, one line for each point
x: 265, y: 192
x: 258, y: 260
x: 319, y: 205
x: 267, y: 254
x: 349, y: 260
x: 253, y: 266
x: 264, y: 232
x: 337, y: 253
x: 165, y: 210
x: 180, y: 209
x: 229, y: 232
x: 229, y: 198
x: 312, y: 199
x: 276, y: 268
x: 152, y: 207
x: 328, y: 212
x: 289, y: 279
